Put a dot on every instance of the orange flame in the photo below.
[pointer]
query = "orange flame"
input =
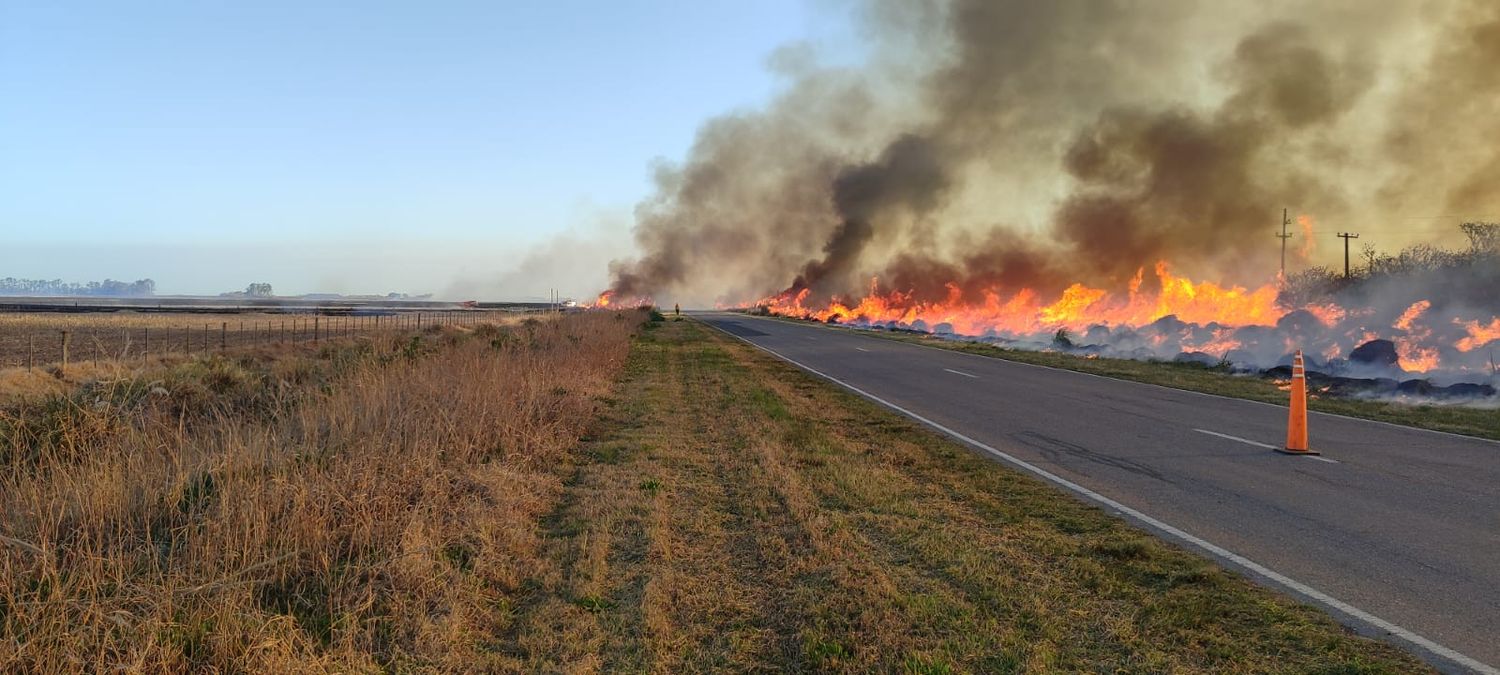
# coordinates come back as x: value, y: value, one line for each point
x: 1078, y: 307
x: 1411, y: 314
x: 1479, y: 335
x: 1309, y: 245
x: 607, y: 300
x: 1415, y: 357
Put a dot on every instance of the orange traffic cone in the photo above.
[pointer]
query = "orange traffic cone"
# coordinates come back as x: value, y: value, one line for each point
x: 1296, y: 424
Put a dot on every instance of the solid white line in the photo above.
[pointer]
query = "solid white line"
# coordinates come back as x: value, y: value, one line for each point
x: 1262, y: 445
x: 960, y: 372
x: 1161, y: 526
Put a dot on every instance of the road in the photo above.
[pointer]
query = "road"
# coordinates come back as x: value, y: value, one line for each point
x: 1395, y: 531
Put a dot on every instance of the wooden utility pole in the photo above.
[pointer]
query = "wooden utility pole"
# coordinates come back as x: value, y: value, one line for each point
x: 1346, y: 236
x: 1283, y: 237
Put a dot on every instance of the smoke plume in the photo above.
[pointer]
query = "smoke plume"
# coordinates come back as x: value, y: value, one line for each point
x: 1001, y: 144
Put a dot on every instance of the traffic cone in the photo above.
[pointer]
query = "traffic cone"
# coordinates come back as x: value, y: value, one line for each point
x: 1296, y: 423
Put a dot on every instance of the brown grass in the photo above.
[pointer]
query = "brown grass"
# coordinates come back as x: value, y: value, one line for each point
x: 372, y: 505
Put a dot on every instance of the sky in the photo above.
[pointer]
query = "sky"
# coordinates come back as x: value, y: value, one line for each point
x: 358, y: 147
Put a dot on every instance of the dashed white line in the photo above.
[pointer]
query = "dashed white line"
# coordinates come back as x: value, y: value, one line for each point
x: 1223, y: 553
x: 862, y: 349
x: 960, y: 372
x: 1259, y: 444
x: 1246, y: 441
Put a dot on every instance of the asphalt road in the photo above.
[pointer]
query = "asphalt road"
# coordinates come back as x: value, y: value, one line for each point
x: 1395, y: 531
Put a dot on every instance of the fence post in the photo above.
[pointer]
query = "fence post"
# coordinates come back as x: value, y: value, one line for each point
x: 30, y: 351
x: 316, y: 321
x: 67, y: 339
x: 146, y: 345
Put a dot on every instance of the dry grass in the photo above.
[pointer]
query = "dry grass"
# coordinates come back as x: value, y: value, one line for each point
x: 735, y: 514
x: 125, y: 335
x: 373, y: 505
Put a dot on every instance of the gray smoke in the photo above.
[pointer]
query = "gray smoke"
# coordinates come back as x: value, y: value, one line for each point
x: 999, y: 144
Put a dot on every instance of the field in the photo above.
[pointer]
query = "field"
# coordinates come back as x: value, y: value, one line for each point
x: 368, y: 502
x: 38, y: 339
x: 585, y: 493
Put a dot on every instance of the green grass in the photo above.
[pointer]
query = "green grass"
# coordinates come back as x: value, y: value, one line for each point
x: 807, y: 529
x: 1212, y: 380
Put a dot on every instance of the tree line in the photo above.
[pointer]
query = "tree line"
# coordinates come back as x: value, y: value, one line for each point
x: 58, y: 287
x: 1468, y: 275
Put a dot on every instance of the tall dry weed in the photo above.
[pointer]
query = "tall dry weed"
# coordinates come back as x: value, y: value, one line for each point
x: 381, y: 518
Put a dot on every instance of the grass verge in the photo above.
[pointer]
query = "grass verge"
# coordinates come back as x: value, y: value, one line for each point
x: 1455, y: 419
x: 733, y: 513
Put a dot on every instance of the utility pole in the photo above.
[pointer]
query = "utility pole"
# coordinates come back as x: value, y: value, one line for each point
x: 1283, y: 237
x: 1346, y: 236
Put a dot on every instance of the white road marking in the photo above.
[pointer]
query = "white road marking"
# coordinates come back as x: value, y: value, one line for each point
x: 1237, y: 438
x: 862, y: 349
x: 960, y: 372
x: 1402, y: 427
x: 1261, y: 445
x: 1160, y: 526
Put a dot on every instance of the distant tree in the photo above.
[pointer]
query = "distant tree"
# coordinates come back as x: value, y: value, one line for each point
x: 1309, y: 286
x: 1483, y: 237
x: 259, y: 290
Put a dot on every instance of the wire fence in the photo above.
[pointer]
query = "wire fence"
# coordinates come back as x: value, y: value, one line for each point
x: 35, y: 344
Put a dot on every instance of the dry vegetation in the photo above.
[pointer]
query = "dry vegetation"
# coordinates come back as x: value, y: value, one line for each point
x: 368, y: 506
x: 95, y: 337
x: 545, y: 497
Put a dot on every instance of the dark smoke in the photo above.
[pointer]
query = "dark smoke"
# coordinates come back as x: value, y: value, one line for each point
x: 1000, y: 144
x: 908, y: 174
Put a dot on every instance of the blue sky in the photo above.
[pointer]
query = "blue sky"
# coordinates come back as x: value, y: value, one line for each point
x: 353, y: 146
